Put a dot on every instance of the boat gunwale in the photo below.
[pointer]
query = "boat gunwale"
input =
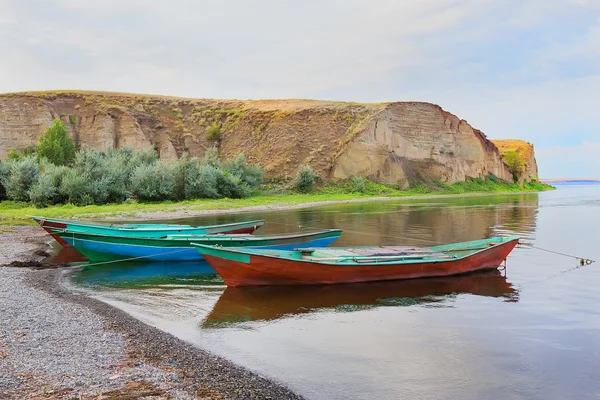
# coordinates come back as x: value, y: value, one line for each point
x: 350, y: 262
x: 215, y: 236
x: 120, y: 227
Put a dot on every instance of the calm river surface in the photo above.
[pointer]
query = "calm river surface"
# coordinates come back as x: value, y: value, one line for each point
x: 532, y: 334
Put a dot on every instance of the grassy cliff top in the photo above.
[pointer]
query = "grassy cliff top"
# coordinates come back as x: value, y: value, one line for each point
x: 132, y: 98
x: 519, y: 146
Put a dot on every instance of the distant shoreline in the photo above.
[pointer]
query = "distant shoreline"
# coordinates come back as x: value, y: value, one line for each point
x: 555, y: 180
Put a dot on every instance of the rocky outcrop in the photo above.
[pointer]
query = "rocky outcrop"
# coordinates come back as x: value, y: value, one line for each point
x: 400, y: 143
x: 520, y: 159
x: 413, y: 142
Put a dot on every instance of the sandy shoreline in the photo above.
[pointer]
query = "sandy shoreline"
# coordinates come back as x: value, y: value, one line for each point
x: 58, y: 344
x: 189, y: 213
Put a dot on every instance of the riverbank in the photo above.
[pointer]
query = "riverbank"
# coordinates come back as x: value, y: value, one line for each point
x: 20, y: 213
x: 56, y: 344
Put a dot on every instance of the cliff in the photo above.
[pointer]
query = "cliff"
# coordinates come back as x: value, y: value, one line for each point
x: 520, y: 158
x: 401, y: 143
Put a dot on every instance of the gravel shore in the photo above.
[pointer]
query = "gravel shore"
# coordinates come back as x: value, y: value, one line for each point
x: 56, y: 344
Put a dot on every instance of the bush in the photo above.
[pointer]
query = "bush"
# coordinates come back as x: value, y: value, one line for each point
x: 251, y: 175
x: 153, y: 181
x: 13, y: 155
x: 46, y: 190
x: 56, y: 146
x: 82, y: 189
x: 201, y: 181
x: 211, y: 157
x: 231, y: 186
x: 4, y: 174
x: 213, y: 132
x: 305, y: 179
x: 359, y: 184
x: 117, y: 175
x: 43, y: 192
x: 148, y: 156
x: 23, y: 174
x: 181, y: 167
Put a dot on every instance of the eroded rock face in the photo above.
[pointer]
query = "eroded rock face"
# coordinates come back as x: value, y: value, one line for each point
x: 400, y: 143
x: 22, y: 122
x: 409, y: 142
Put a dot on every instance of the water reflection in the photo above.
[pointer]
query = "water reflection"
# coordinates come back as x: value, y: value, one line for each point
x: 416, y: 222
x: 140, y: 275
x: 270, y: 303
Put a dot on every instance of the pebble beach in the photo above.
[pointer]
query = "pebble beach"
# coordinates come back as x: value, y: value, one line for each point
x: 59, y: 344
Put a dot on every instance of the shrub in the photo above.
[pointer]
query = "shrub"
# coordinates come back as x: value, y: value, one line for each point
x: 23, y: 174
x: 46, y: 190
x: 305, y: 179
x: 4, y: 174
x: 13, y: 155
x: 180, y: 172
x: 358, y: 182
x: 251, y: 175
x: 82, y: 189
x: 148, y: 156
x: 201, y: 181
x: 29, y: 151
x: 43, y: 192
x: 211, y: 157
x: 153, y: 181
x: 117, y: 176
x: 213, y: 132
x: 56, y: 145
x: 231, y: 186
x: 89, y: 162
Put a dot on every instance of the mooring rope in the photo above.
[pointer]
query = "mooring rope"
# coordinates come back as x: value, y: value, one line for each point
x: 582, y: 260
x: 132, y: 258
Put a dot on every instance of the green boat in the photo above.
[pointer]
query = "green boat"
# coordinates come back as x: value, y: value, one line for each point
x: 100, y: 248
x: 144, y: 230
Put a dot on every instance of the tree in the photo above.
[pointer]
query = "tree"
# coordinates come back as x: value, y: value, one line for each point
x: 56, y: 145
x: 515, y: 162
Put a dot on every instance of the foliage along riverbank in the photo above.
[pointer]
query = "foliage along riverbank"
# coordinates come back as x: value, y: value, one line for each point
x: 15, y: 213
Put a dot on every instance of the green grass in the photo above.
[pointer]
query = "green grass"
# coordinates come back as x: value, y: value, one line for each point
x: 14, y: 213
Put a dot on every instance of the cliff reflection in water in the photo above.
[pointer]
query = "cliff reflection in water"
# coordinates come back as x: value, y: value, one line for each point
x: 420, y: 222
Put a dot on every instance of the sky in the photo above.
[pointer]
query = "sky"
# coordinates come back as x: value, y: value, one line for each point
x: 523, y: 69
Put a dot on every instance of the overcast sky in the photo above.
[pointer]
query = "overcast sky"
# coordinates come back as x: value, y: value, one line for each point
x: 526, y: 69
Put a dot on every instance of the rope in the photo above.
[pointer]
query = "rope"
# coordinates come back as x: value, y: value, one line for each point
x: 582, y: 261
x: 134, y: 258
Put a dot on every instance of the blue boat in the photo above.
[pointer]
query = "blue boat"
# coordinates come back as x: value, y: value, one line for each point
x: 104, y: 248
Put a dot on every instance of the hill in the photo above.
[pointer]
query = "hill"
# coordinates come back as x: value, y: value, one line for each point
x: 401, y: 143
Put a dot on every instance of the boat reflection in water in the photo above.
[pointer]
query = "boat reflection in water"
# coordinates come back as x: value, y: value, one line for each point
x: 65, y: 255
x: 265, y: 303
x: 136, y: 274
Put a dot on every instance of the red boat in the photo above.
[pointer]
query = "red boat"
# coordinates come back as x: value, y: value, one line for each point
x: 330, y: 265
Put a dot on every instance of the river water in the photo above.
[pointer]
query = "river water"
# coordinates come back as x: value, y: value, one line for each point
x: 531, y: 333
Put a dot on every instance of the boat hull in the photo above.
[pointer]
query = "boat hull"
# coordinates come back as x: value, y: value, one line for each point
x: 99, y: 248
x: 257, y: 270
x: 142, y: 230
